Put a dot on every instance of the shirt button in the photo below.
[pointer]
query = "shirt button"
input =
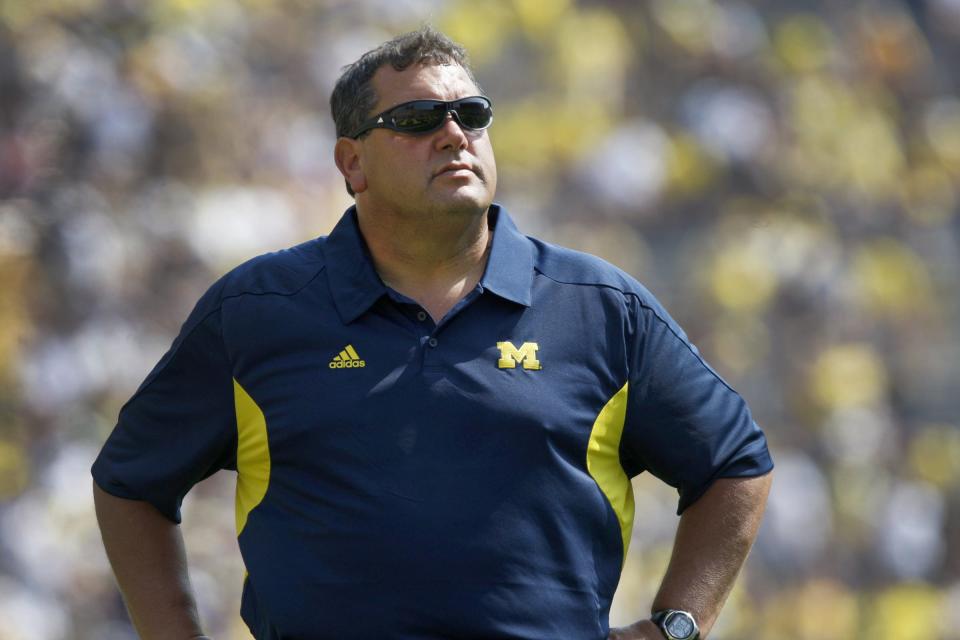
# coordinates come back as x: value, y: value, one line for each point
x: 421, y: 315
x: 432, y: 342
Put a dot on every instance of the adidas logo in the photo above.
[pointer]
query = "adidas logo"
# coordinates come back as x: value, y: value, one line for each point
x: 347, y: 359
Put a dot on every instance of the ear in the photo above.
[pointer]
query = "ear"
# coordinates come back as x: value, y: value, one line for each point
x: 347, y: 154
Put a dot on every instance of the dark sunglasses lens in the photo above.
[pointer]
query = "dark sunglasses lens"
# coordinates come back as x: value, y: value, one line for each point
x: 474, y: 113
x: 419, y: 117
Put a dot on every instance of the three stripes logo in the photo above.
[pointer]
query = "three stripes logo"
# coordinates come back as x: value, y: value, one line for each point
x: 347, y: 359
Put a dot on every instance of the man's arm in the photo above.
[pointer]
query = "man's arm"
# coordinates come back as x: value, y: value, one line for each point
x: 713, y: 539
x: 147, y: 555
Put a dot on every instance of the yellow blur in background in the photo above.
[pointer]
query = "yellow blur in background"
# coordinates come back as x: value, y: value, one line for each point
x: 782, y: 176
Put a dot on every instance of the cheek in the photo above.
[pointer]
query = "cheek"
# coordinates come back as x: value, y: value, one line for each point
x: 394, y: 171
x: 491, y: 164
x: 394, y: 152
x: 484, y: 153
x: 410, y: 161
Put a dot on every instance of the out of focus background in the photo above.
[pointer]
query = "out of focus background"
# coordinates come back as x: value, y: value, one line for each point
x: 782, y: 175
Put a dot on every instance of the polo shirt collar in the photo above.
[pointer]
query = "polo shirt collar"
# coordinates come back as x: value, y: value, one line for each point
x: 355, y: 284
x: 509, y: 271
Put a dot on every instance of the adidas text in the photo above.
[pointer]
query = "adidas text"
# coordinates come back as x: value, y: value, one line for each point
x: 347, y: 364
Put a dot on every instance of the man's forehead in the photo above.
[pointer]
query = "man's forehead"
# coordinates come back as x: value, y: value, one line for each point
x: 421, y: 81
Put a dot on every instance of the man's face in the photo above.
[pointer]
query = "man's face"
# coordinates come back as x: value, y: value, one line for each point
x: 411, y: 174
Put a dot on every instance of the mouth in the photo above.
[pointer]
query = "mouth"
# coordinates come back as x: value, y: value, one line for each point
x: 456, y: 169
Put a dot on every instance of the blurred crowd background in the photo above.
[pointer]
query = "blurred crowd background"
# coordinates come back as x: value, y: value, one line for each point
x: 782, y: 175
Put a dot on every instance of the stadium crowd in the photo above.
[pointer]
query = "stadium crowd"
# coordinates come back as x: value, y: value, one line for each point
x: 784, y: 177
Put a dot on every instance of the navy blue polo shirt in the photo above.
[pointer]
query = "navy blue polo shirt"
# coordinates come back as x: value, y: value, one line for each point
x: 398, y: 478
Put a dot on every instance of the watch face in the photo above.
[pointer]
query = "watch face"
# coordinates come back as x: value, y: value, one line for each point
x: 679, y: 625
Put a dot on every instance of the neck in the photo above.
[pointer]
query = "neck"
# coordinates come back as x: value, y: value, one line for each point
x: 435, y: 260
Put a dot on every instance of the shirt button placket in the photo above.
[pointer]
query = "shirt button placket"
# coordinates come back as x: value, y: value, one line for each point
x: 431, y: 354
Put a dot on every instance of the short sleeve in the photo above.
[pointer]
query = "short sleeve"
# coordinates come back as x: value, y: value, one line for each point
x: 684, y: 424
x: 180, y: 425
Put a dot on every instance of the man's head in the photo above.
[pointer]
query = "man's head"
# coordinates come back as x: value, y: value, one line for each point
x: 389, y: 168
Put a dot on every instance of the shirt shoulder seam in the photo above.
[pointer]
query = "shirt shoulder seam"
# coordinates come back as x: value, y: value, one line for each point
x: 217, y: 309
x: 655, y: 314
x: 293, y: 292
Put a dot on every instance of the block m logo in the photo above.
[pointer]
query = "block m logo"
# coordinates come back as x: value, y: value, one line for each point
x: 510, y: 355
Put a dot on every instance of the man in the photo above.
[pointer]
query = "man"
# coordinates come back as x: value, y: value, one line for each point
x: 433, y: 418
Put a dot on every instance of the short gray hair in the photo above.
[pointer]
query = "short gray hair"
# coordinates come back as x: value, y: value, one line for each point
x: 353, y: 97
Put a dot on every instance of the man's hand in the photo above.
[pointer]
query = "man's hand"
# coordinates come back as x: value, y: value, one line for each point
x: 643, y: 630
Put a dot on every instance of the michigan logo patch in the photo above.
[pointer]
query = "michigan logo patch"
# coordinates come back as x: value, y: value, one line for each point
x: 526, y: 355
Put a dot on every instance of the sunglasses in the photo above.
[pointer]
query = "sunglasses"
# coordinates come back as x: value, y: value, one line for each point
x: 424, y: 116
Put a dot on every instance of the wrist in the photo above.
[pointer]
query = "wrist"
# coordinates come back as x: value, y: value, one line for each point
x: 642, y: 630
x: 652, y: 630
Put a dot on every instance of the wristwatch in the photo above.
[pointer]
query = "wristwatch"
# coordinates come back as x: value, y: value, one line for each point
x: 676, y: 624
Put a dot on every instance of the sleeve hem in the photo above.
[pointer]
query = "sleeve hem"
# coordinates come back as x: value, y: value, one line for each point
x: 759, y: 468
x: 124, y: 493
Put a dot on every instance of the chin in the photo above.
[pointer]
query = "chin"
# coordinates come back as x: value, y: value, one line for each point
x: 463, y: 203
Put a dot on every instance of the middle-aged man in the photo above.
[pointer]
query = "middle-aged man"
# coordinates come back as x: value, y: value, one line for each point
x: 434, y: 419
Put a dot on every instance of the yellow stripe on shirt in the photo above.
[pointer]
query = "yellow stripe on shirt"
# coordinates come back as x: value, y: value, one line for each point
x: 253, y: 455
x: 603, y: 462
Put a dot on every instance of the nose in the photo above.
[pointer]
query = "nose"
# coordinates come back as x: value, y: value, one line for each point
x: 451, y: 135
